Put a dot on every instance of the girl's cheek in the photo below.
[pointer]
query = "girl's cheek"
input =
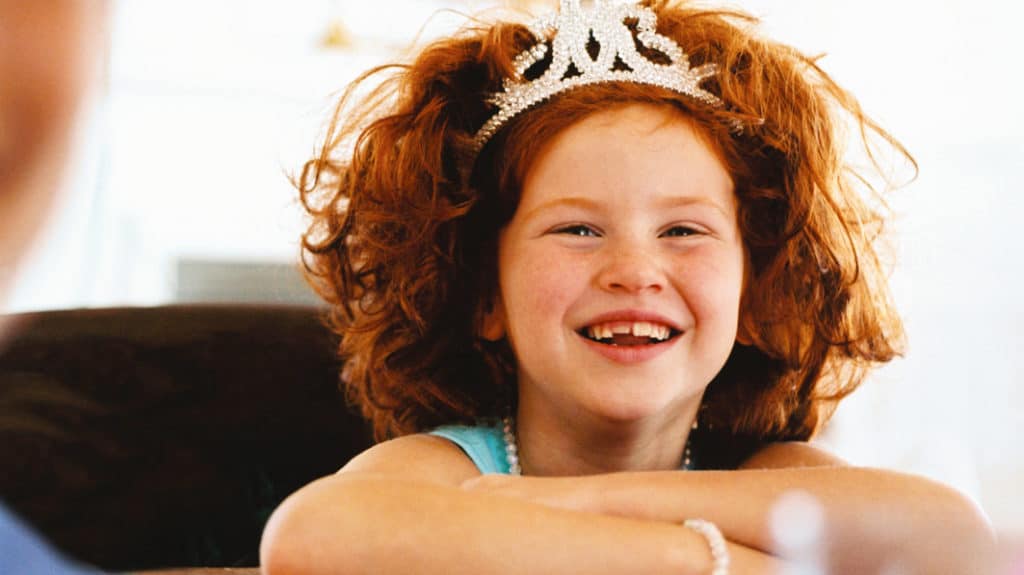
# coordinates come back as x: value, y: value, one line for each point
x: 545, y: 293
x: 552, y: 280
x: 716, y: 286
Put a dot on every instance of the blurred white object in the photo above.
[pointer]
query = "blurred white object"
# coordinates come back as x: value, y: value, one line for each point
x: 798, y: 529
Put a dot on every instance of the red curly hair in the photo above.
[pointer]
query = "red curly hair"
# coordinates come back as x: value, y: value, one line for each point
x: 403, y: 247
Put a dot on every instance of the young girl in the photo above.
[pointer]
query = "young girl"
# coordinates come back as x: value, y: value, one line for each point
x: 621, y: 254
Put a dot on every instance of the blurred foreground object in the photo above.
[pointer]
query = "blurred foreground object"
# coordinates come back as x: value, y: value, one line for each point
x: 49, y: 56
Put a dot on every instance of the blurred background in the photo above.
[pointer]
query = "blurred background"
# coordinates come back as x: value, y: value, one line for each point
x: 180, y: 189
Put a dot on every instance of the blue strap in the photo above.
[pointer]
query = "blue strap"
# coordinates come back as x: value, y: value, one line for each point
x: 484, y: 445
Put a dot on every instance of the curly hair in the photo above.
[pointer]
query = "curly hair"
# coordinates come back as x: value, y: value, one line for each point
x: 402, y: 244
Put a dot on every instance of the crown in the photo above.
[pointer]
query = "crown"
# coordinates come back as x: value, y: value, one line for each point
x: 569, y: 33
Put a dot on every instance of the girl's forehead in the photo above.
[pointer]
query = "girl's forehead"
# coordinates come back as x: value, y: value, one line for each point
x: 641, y: 139
x: 643, y: 124
x: 625, y: 158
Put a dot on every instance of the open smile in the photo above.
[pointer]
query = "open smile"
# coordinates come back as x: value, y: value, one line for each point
x: 629, y: 333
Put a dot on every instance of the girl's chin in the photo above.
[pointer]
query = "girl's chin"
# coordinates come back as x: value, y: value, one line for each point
x: 638, y: 408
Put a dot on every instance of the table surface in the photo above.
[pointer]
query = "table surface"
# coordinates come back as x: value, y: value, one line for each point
x: 203, y: 571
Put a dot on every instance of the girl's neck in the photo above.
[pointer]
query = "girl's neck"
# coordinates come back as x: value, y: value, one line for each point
x: 552, y: 443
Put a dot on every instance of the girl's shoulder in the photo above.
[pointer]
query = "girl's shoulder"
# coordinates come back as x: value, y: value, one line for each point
x: 422, y: 457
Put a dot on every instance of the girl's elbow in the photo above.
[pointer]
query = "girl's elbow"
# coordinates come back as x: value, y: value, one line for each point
x: 974, y: 523
x: 294, y: 538
x: 959, y: 539
x: 960, y: 516
x: 282, y: 550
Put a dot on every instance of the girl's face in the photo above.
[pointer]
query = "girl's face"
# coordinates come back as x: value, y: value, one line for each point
x: 620, y: 273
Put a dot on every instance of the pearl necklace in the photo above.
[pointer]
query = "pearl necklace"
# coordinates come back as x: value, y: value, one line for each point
x: 512, y: 450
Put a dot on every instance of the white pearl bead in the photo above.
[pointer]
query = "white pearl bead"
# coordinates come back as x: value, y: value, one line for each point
x: 512, y: 449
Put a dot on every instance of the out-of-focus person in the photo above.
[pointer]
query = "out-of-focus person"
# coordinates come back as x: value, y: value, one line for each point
x: 49, y: 51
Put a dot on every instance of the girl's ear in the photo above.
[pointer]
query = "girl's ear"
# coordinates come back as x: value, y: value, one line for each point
x: 492, y: 321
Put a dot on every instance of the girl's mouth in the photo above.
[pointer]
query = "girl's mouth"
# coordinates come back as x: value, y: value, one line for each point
x: 628, y: 333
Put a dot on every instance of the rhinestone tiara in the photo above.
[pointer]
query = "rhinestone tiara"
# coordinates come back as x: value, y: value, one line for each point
x: 569, y: 32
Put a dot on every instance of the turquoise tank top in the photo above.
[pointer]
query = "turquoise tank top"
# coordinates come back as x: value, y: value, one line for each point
x: 483, y: 444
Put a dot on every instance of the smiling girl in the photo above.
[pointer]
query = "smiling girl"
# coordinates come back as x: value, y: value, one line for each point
x: 598, y: 281
x: 619, y: 284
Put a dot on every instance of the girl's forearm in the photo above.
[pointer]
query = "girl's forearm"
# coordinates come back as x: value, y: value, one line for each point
x: 869, y: 515
x: 379, y: 525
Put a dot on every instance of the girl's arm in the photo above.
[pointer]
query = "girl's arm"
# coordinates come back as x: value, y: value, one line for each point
x: 871, y: 516
x: 398, y: 509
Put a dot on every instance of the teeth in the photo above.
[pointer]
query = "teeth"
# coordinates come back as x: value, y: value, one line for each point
x: 642, y: 329
x: 638, y: 329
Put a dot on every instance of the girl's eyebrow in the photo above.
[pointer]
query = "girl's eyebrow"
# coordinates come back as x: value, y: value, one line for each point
x: 666, y: 202
x: 572, y: 202
x: 683, y: 201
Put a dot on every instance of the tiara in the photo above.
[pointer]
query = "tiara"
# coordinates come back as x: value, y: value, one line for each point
x: 569, y: 33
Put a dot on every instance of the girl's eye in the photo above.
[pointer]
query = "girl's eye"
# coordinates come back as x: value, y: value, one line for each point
x: 680, y: 232
x: 578, y: 230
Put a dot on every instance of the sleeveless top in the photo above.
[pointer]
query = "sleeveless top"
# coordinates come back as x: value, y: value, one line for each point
x: 483, y: 444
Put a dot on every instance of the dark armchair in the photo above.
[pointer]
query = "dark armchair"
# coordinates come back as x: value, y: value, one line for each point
x: 140, y: 438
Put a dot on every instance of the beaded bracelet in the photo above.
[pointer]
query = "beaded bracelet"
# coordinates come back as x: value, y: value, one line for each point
x: 719, y: 552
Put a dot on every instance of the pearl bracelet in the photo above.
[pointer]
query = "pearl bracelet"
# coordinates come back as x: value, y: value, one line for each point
x: 719, y: 552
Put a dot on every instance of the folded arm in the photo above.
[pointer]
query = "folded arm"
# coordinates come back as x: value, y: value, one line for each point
x: 399, y: 509
x: 870, y: 516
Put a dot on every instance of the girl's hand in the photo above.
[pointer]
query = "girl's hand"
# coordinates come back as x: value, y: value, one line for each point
x: 570, y: 493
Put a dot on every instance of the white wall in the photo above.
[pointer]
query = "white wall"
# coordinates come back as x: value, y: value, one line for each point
x: 941, y: 77
x: 209, y: 104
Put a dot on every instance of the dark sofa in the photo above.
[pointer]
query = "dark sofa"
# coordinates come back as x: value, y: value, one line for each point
x: 141, y: 438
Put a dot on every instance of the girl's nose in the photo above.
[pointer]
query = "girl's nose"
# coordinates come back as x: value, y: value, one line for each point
x: 631, y: 269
